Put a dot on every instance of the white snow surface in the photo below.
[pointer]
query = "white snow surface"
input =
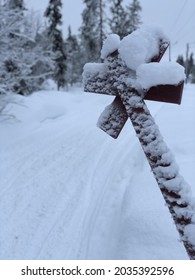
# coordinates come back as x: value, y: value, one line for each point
x: 141, y: 45
x: 154, y: 73
x: 110, y: 45
x: 69, y: 191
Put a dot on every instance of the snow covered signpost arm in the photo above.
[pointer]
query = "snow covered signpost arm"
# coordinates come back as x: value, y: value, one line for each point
x: 131, y: 72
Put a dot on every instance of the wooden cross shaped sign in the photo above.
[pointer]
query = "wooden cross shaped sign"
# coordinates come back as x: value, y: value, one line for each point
x: 131, y: 71
x: 161, y: 82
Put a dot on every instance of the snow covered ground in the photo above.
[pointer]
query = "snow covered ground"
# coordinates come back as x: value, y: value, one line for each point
x: 69, y: 191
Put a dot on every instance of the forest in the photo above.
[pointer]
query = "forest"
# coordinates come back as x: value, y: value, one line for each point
x: 33, y: 48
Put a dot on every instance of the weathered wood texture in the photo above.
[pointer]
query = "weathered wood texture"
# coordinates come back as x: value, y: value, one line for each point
x: 129, y: 102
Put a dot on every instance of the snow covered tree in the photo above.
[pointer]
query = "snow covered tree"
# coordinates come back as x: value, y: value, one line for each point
x: 180, y: 60
x: 124, y: 19
x: 53, y: 13
x: 191, y: 63
x: 92, y: 29
x: 74, y: 69
x: 133, y: 20
x: 192, y: 68
x: 193, y: 75
x: 21, y: 54
x: 16, y: 4
x: 12, y: 40
x: 117, y: 21
x: 189, y: 67
x: 101, y: 7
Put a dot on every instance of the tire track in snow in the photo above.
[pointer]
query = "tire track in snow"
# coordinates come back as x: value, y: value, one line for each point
x: 98, y: 203
x: 42, y: 159
x: 75, y: 221
x: 66, y: 225
x: 110, y: 195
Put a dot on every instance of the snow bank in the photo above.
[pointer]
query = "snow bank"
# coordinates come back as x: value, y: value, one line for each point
x: 49, y: 84
x: 110, y: 45
x: 141, y: 46
x: 153, y: 74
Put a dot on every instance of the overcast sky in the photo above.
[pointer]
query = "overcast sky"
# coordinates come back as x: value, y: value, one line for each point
x: 175, y: 17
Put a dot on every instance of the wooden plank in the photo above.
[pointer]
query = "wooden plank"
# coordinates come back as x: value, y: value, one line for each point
x: 165, y: 93
x: 113, y: 118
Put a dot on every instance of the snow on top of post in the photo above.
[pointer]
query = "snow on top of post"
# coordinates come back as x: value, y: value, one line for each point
x: 141, y: 46
x: 154, y: 73
x: 93, y: 69
x: 110, y: 45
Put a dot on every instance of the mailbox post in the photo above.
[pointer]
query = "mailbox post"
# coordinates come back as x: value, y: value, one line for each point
x: 113, y: 77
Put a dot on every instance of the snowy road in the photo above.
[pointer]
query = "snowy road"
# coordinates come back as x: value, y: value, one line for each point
x: 69, y: 191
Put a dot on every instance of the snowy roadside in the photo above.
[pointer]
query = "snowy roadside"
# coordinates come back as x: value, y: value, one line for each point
x: 68, y: 191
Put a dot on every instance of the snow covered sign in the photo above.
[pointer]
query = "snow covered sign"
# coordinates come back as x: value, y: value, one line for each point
x: 131, y: 71
x: 161, y: 81
x: 138, y: 71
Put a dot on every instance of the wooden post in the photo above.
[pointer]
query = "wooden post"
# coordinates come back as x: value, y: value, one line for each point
x: 129, y: 102
x: 161, y: 161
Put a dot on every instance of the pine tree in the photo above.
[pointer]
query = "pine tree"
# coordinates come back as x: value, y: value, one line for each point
x: 180, y: 60
x: 133, y: 19
x: 92, y: 29
x: 124, y: 19
x: 74, y: 69
x: 101, y: 7
x: 191, y: 63
x: 193, y: 75
x: 189, y: 66
x: 53, y: 13
x: 117, y: 22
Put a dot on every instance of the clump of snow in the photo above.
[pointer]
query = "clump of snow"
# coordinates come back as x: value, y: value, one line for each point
x: 94, y: 69
x: 154, y: 73
x: 141, y: 46
x: 168, y: 172
x: 110, y: 45
x: 49, y: 84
